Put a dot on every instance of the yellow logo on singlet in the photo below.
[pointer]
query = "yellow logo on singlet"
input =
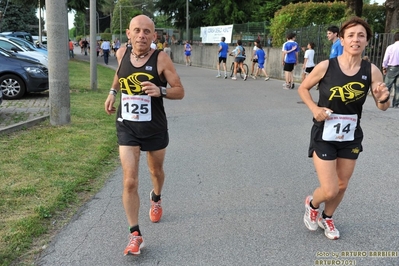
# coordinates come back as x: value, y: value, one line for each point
x: 132, y: 84
x: 348, y: 92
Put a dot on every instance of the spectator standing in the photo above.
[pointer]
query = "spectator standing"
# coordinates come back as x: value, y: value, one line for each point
x: 98, y: 48
x: 290, y: 58
x: 153, y: 46
x: 117, y: 45
x: 81, y: 46
x: 106, y: 48
x: 239, y: 57
x: 308, y: 63
x: 261, y: 59
x: 333, y: 36
x: 187, y: 52
x: 85, y: 45
x: 222, y: 56
x: 336, y: 134
x: 390, y: 68
x: 167, y: 49
x: 71, y: 47
x: 142, y: 77
x: 254, y: 59
x: 159, y: 45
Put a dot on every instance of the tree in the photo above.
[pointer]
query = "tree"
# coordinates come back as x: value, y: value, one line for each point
x: 18, y: 17
x: 355, y: 7
x: 123, y: 12
x: 392, y: 21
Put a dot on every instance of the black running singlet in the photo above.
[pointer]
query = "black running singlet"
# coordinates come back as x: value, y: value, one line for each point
x: 146, y: 113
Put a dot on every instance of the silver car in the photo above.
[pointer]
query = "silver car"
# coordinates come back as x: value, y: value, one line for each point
x: 9, y: 45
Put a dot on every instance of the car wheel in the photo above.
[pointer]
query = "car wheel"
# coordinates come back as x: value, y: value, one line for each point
x: 12, y: 87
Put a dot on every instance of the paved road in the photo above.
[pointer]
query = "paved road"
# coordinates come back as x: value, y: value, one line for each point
x: 237, y: 175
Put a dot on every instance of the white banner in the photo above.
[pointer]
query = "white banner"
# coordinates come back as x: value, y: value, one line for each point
x: 214, y: 33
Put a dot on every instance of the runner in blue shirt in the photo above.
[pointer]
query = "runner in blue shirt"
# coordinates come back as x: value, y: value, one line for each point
x: 223, y: 51
x: 290, y: 59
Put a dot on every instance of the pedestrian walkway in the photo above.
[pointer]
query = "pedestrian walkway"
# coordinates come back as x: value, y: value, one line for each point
x: 237, y: 174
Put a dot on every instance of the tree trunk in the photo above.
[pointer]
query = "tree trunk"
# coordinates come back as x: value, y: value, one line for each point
x: 392, y: 19
x: 356, y: 7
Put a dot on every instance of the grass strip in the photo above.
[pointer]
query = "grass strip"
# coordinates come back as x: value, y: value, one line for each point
x: 47, y: 172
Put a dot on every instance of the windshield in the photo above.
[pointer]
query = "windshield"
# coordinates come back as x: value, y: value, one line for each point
x: 24, y: 44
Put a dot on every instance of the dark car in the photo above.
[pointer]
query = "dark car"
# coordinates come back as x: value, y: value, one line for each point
x: 20, y: 76
x: 19, y: 34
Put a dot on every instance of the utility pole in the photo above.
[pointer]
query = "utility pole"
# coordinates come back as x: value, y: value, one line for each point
x: 40, y: 23
x: 57, y: 43
x: 187, y: 21
x: 93, y: 45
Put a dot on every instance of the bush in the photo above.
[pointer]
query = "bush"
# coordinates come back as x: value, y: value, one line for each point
x: 311, y: 14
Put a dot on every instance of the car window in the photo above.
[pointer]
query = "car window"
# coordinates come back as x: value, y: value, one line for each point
x: 9, y: 46
x: 22, y: 43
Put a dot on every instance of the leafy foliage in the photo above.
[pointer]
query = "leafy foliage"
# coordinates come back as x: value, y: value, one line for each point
x: 123, y: 12
x: 306, y: 14
x: 18, y: 17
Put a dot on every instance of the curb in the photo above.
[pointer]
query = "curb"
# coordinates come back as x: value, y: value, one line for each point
x: 23, y: 125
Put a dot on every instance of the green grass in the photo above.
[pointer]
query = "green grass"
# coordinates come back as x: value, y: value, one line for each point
x: 47, y: 172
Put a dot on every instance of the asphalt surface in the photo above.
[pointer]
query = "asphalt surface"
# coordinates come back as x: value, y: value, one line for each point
x: 237, y: 174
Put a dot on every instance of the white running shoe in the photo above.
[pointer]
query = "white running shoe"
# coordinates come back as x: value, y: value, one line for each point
x: 233, y: 78
x: 218, y: 76
x: 310, y: 217
x: 245, y: 77
x: 267, y: 78
x: 329, y: 228
x: 254, y: 77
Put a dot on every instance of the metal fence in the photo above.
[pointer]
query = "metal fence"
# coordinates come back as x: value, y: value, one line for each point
x: 318, y: 34
x: 248, y: 32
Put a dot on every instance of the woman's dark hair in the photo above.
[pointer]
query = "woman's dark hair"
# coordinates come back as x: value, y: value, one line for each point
x: 239, y: 42
x: 353, y: 22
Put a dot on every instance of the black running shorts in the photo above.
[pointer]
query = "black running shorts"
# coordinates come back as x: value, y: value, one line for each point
x: 222, y: 59
x: 289, y: 67
x: 126, y: 137
x: 331, y: 150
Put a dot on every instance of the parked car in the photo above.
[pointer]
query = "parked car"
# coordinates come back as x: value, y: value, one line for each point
x: 19, y: 55
x: 19, y: 34
x: 14, y: 47
x: 28, y: 45
x: 20, y: 76
x: 1, y: 97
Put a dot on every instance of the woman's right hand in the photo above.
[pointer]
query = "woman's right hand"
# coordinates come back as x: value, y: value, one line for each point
x: 321, y: 113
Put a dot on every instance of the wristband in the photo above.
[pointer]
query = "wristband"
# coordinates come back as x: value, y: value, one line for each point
x: 113, y: 92
x: 386, y: 100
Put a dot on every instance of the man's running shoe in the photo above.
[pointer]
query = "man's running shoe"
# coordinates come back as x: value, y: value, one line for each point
x: 245, y: 77
x: 225, y: 76
x: 218, y: 76
x: 155, y: 210
x: 329, y: 228
x: 310, y: 217
x: 233, y: 78
x: 136, y: 243
x: 267, y: 78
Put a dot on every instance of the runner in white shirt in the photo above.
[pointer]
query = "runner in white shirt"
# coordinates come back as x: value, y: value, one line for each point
x: 308, y: 63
